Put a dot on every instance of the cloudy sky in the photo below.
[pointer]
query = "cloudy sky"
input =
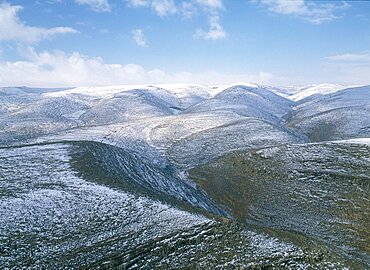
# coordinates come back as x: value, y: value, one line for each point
x: 54, y: 43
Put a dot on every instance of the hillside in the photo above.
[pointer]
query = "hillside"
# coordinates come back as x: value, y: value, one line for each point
x: 146, y: 176
x: 339, y: 115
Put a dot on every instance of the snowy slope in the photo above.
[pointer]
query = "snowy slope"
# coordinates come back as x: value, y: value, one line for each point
x: 126, y: 106
x: 247, y: 101
x: 59, y: 219
x: 248, y: 133
x: 340, y: 115
x: 27, y: 113
x: 14, y: 98
x: 300, y: 93
x: 65, y: 221
x: 364, y: 141
x: 30, y: 113
x: 98, y: 176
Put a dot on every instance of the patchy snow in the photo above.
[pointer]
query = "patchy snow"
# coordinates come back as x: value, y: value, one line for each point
x: 365, y: 141
x: 47, y: 212
x: 152, y: 135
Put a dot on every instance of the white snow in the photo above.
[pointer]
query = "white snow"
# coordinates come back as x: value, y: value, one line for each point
x: 300, y: 93
x: 160, y: 115
x: 365, y: 141
x: 339, y: 115
x: 52, y: 209
x: 162, y: 130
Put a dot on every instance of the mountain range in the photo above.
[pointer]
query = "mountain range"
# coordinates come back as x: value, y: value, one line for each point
x: 185, y: 177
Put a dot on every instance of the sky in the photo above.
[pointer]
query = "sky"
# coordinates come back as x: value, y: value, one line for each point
x: 64, y: 43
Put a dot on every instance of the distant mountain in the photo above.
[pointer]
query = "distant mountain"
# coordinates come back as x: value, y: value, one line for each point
x: 248, y: 101
x: 339, y: 115
x: 301, y: 93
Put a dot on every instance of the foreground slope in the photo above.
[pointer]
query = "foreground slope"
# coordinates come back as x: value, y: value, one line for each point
x: 322, y: 192
x: 58, y: 217
x: 52, y: 218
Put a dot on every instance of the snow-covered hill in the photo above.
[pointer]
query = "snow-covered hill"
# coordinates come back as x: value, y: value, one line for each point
x: 249, y: 101
x: 304, y: 92
x: 28, y: 113
x: 146, y: 176
x: 339, y: 115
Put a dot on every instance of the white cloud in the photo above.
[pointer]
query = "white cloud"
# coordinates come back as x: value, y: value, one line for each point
x: 309, y: 11
x: 164, y: 7
x: 160, y: 7
x: 215, y: 31
x: 286, y: 7
x: 348, y: 68
x: 211, y: 8
x: 139, y: 3
x: 139, y: 37
x: 213, y: 4
x: 58, y: 69
x: 350, y: 57
x: 12, y: 28
x: 188, y: 10
x: 96, y: 5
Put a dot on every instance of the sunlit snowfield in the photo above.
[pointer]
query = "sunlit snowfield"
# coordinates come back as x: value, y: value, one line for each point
x: 185, y: 176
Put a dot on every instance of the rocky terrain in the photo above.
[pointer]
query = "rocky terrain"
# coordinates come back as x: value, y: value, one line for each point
x: 185, y: 177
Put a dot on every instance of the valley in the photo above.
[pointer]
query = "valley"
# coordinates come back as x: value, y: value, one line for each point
x: 185, y: 177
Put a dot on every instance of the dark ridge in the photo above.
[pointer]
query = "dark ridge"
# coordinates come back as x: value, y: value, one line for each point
x: 120, y: 169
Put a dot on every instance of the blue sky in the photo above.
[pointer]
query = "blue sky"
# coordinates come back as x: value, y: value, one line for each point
x: 101, y: 42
